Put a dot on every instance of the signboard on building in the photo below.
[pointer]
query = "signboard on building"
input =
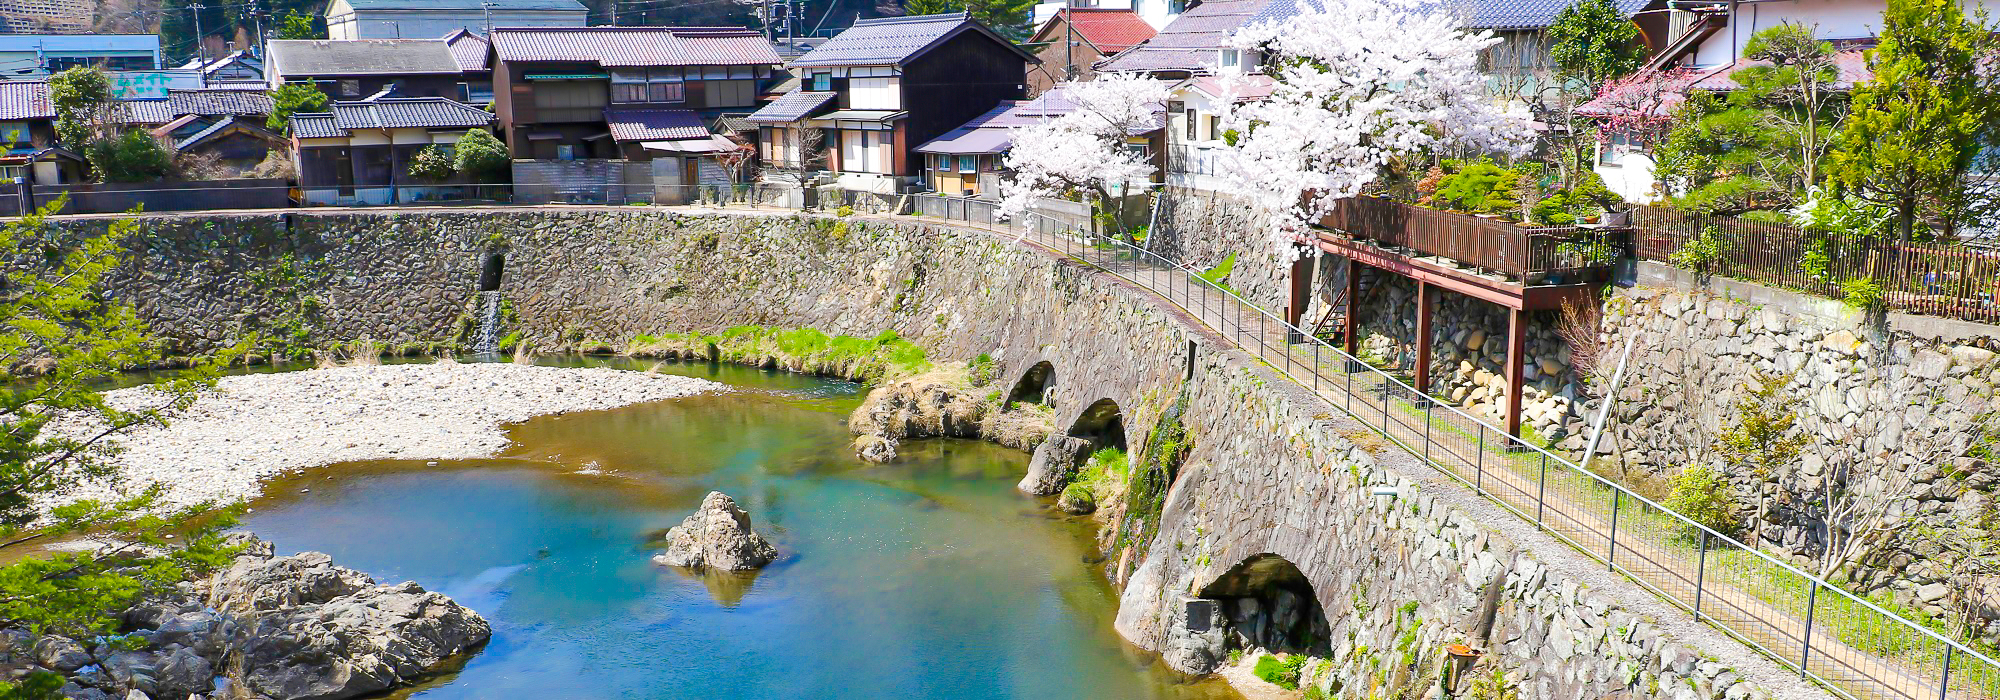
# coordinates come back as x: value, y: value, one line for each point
x: 141, y: 84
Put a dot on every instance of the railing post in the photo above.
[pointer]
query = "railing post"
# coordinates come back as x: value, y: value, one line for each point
x: 1612, y: 555
x: 1805, y: 641
x: 1315, y: 345
x: 1944, y: 684
x: 1479, y: 463
x: 1427, y: 429
x: 1541, y: 488
x: 1700, y: 574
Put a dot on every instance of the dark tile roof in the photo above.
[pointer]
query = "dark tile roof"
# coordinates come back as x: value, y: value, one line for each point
x: 254, y: 126
x: 654, y: 124
x: 635, y: 46
x: 362, y: 57
x: 147, y: 111
x: 895, y: 40
x: 468, y: 49
x: 1110, y: 30
x: 389, y: 113
x: 473, y: 6
x: 1190, y: 42
x: 315, y: 126
x: 792, y: 106
x: 213, y: 102
x: 25, y: 100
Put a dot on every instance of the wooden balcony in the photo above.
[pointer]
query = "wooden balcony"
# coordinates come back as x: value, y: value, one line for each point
x: 1511, y: 264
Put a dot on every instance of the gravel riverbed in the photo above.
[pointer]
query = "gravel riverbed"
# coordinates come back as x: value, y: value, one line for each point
x: 257, y: 426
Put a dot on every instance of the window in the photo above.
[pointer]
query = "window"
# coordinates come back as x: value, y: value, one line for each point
x: 1229, y: 58
x: 646, y: 85
x: 9, y: 172
x: 873, y: 93
x: 350, y: 88
x: 15, y: 133
x: 968, y: 164
x: 666, y: 92
x: 822, y: 82
x: 1214, y: 127
x: 1193, y: 120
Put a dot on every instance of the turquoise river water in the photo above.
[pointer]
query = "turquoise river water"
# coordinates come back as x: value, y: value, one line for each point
x: 927, y: 578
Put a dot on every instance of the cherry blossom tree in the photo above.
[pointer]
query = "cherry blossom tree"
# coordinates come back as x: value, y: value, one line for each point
x: 1359, y: 84
x: 1085, y: 149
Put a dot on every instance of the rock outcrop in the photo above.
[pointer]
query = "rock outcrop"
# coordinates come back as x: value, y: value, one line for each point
x: 1054, y: 464
x: 266, y: 628
x: 718, y: 536
x: 933, y: 404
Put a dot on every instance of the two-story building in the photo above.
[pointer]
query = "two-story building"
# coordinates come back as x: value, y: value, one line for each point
x: 884, y: 86
x: 347, y: 20
x: 1073, y: 40
x: 46, y: 54
x: 971, y: 160
x: 28, y: 133
x: 630, y: 93
x: 351, y: 70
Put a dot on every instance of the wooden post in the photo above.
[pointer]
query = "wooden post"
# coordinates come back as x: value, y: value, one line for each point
x: 1517, y: 341
x: 1301, y: 296
x: 1423, y: 376
x: 1353, y: 296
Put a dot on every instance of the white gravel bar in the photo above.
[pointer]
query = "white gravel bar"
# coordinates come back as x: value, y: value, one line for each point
x: 257, y: 426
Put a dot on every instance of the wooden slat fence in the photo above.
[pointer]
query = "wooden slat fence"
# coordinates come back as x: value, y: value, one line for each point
x: 1939, y: 279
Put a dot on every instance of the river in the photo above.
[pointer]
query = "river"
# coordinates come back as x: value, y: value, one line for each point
x: 930, y: 577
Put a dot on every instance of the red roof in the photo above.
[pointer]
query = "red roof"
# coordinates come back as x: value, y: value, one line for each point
x: 635, y: 46
x: 1110, y: 30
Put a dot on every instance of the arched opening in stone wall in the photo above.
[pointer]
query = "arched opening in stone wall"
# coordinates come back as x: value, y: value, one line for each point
x: 1265, y: 602
x: 1103, y: 424
x: 1034, y: 386
x: 489, y: 272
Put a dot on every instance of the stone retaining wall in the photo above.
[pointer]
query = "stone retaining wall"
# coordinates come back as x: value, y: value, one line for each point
x: 1270, y: 471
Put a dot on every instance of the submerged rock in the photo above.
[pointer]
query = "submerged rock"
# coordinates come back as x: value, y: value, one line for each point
x: 1055, y: 463
x: 718, y: 536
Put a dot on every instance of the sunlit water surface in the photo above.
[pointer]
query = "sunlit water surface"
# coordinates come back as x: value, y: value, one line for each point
x: 927, y: 578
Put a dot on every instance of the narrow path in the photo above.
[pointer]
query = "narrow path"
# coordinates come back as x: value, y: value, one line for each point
x: 1717, y: 585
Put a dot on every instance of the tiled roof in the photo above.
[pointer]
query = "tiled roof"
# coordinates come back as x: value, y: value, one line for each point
x: 315, y: 126
x: 1476, y: 14
x: 1251, y: 88
x: 1110, y: 30
x: 147, y: 111
x: 1190, y: 42
x: 895, y: 40
x: 254, y: 126
x: 473, y: 6
x: 654, y: 124
x: 389, y: 113
x: 362, y: 57
x: 635, y: 46
x: 218, y: 102
x: 992, y: 132
x: 25, y: 100
x: 468, y: 49
x: 1850, y: 66
x: 792, y: 106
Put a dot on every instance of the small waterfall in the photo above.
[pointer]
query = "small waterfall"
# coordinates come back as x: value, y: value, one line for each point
x: 487, y: 339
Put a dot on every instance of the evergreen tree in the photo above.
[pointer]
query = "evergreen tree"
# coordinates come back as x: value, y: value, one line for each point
x: 1918, y: 124
x: 1591, y: 42
x: 76, y: 339
x: 1760, y: 146
x: 298, y: 25
x: 1012, y: 19
x: 81, y: 97
x: 294, y: 98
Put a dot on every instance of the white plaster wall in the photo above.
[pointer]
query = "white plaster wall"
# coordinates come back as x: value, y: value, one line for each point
x: 1831, y: 19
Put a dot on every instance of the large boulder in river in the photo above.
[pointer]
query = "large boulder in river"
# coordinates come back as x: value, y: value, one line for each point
x: 305, y: 628
x: 1055, y: 463
x: 718, y: 536
x: 933, y: 404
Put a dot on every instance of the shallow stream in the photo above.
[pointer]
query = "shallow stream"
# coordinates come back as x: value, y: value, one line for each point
x: 927, y: 578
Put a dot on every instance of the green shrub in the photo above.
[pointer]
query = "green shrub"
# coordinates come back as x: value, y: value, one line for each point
x: 1283, y: 673
x: 478, y: 155
x: 1861, y: 293
x: 1553, y: 210
x: 1481, y: 188
x: 1079, y: 492
x: 844, y: 211
x: 1219, y: 275
x: 979, y: 372
x: 433, y: 163
x: 1700, y: 254
x: 1313, y: 692
x: 132, y: 156
x: 1700, y: 493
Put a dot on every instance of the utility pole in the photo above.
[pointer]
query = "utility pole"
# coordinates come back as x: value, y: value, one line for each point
x: 487, y: 8
x: 1069, y: 40
x: 200, y: 47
